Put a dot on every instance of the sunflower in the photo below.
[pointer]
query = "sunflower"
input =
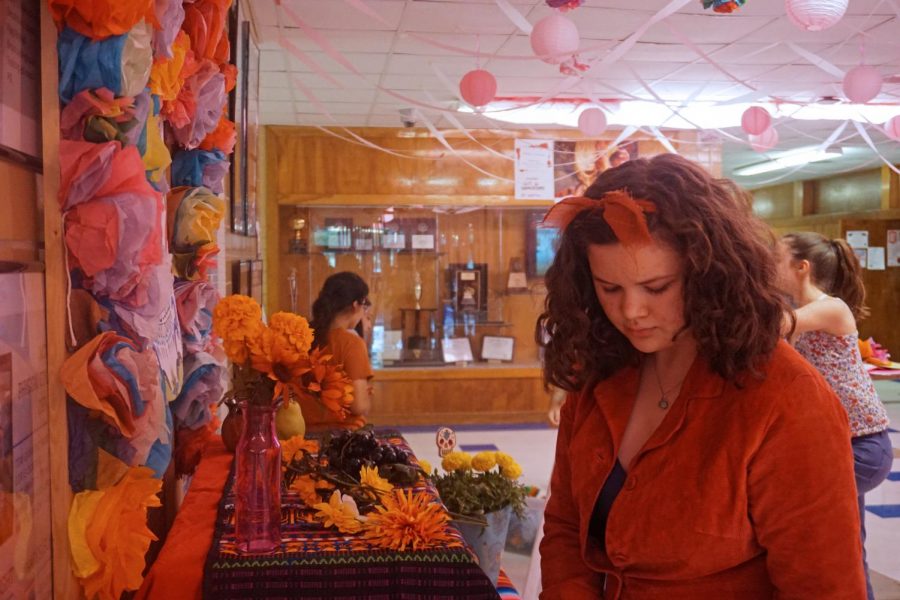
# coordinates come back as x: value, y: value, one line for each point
x: 484, y: 461
x: 408, y: 520
x: 457, y: 461
x: 341, y: 512
x: 237, y: 320
x: 293, y: 330
x: 373, y: 483
x: 290, y: 447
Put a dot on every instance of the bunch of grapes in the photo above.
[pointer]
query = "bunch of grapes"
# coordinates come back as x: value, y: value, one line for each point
x: 348, y: 451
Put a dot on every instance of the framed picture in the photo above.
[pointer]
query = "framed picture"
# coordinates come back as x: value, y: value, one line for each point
x: 256, y: 280
x: 244, y: 110
x: 240, y: 277
x: 421, y: 233
x: 469, y: 287
x: 456, y: 350
x: 540, y: 245
x: 497, y: 347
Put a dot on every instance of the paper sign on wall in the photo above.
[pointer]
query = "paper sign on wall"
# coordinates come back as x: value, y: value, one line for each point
x: 863, y: 255
x: 893, y: 247
x: 875, y: 259
x: 534, y: 170
x: 858, y: 239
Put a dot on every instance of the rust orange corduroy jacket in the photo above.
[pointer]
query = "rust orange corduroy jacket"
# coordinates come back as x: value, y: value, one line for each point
x: 743, y: 494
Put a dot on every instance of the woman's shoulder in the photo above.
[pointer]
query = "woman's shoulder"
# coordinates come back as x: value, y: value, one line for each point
x: 787, y: 379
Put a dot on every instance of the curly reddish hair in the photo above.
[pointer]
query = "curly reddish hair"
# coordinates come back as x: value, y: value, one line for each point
x: 731, y: 304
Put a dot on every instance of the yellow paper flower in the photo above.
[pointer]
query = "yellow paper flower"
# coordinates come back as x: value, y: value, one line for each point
x: 484, y: 461
x: 373, y: 482
x: 407, y: 520
x: 504, y: 459
x: 426, y: 466
x: 294, y: 331
x: 306, y: 488
x: 457, y: 460
x: 110, y: 534
x: 237, y: 320
x: 341, y: 512
x: 511, y: 471
x: 289, y: 448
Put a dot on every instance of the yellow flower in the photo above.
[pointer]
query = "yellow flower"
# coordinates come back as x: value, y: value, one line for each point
x: 426, y: 466
x: 306, y: 489
x: 511, y: 471
x: 289, y: 448
x: 484, y: 461
x: 407, y: 520
x: 456, y: 461
x: 375, y: 484
x: 504, y: 459
x: 294, y: 331
x: 237, y: 319
x: 341, y: 512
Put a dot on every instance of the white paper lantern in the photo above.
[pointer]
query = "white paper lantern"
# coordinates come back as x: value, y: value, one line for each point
x: 765, y: 141
x: 862, y: 83
x: 554, y: 39
x: 815, y: 15
x: 592, y: 122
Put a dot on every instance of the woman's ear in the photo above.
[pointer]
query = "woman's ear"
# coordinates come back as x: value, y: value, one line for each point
x: 803, y: 267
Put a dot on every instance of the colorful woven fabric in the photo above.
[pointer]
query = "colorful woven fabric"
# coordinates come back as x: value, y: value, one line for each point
x: 329, y: 564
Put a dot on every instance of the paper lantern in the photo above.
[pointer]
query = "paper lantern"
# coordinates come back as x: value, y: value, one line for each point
x: 478, y: 87
x: 554, y: 39
x: 592, y: 122
x: 765, y: 141
x: 815, y: 15
x: 862, y: 83
x: 755, y: 120
x: 892, y: 128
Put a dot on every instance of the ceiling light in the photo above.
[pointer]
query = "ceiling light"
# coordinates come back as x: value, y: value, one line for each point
x: 789, y: 159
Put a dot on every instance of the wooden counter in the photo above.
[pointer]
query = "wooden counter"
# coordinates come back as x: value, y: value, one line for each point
x: 477, y: 393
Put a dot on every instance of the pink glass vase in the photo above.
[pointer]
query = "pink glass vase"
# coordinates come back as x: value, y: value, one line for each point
x: 257, y: 485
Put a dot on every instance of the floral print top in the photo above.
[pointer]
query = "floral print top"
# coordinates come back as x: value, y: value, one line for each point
x: 838, y: 359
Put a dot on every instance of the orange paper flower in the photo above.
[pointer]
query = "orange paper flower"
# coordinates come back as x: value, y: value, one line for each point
x: 99, y: 19
x: 289, y: 448
x: 408, y: 520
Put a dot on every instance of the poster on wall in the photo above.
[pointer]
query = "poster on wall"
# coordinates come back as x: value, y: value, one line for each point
x: 534, y: 169
x: 893, y: 247
x: 578, y: 163
x: 20, y: 81
x: 25, y: 557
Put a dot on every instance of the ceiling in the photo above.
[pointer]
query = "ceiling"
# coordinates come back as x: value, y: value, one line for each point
x: 393, y: 51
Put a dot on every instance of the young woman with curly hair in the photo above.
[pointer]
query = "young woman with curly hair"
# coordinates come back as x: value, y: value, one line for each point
x: 698, y: 455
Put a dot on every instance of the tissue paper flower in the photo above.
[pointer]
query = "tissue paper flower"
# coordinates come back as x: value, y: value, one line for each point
x: 204, y: 384
x: 170, y: 16
x: 99, y: 19
x: 196, y: 168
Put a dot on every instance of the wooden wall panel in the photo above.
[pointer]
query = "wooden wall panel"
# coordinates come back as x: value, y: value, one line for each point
x: 21, y: 227
x: 774, y: 202
x: 850, y: 192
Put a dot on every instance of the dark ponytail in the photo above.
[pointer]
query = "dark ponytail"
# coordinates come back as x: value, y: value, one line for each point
x: 834, y: 268
x: 338, y: 293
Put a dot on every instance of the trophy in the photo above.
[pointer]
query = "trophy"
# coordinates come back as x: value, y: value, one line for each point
x: 417, y: 290
x: 292, y: 287
x: 298, y: 240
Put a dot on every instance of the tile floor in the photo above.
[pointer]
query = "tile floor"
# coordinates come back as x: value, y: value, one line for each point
x: 533, y: 447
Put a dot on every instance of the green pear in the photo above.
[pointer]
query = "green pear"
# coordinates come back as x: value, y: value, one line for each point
x: 289, y: 420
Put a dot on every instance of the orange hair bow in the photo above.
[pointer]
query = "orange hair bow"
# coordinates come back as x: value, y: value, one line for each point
x: 625, y: 215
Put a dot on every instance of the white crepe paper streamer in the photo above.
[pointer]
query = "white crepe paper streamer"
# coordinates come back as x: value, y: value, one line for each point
x: 515, y: 16
x: 443, y: 141
x: 865, y: 135
x: 699, y: 51
x: 816, y: 60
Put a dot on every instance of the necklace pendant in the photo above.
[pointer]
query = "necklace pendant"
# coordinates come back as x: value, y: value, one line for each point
x: 663, y: 403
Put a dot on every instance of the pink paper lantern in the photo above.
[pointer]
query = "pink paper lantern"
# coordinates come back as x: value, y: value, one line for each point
x: 765, y: 141
x: 478, y: 87
x: 554, y: 39
x: 862, y: 83
x: 755, y: 120
x: 892, y: 128
x: 592, y: 122
x: 815, y: 15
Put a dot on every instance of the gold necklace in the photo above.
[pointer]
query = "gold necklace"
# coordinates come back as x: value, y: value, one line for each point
x: 663, y: 400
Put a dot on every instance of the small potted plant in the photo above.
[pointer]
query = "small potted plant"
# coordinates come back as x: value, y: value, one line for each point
x: 480, y: 492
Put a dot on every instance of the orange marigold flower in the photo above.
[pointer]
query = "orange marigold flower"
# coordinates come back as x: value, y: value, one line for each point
x: 237, y: 320
x: 290, y: 447
x: 271, y: 355
x: 408, y: 520
x: 306, y: 488
x: 341, y: 512
x: 294, y: 331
